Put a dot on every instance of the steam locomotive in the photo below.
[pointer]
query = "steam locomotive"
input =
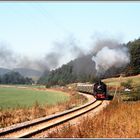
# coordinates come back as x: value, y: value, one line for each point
x: 98, y: 89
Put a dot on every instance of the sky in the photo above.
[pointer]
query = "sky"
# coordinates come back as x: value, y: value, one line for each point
x: 33, y: 28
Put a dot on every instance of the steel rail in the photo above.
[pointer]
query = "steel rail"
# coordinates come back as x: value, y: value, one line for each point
x: 25, y: 126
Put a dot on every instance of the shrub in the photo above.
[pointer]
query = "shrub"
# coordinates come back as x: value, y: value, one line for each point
x: 127, y: 84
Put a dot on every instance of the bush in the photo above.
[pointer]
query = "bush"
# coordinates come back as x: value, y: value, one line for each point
x: 127, y: 84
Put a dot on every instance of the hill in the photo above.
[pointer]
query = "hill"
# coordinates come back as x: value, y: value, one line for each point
x: 34, y: 74
x: 14, y: 78
x: 82, y: 69
x: 4, y: 71
x: 31, y: 73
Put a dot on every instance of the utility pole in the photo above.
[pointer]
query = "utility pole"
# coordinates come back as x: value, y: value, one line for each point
x: 118, y: 86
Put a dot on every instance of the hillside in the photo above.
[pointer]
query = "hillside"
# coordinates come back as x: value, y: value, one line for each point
x: 31, y: 73
x: 14, y: 78
x: 82, y: 69
x: 4, y: 71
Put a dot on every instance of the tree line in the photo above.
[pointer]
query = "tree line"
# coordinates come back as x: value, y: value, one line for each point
x: 67, y: 74
x: 133, y: 67
x: 14, y: 78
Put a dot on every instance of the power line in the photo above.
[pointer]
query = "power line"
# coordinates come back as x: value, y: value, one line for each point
x: 54, y: 21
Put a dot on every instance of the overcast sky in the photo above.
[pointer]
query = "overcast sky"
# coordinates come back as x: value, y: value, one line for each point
x: 32, y: 28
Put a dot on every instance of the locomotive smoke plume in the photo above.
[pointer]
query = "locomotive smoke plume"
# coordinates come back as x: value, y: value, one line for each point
x: 25, y: 62
x: 108, y: 54
x: 63, y: 52
x: 9, y: 59
x: 104, y: 55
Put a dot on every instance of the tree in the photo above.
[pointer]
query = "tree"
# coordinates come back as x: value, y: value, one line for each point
x: 134, y: 66
x: 14, y: 78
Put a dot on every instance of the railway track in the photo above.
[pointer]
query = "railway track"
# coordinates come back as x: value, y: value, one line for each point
x: 28, y: 129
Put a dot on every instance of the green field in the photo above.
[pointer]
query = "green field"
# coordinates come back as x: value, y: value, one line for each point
x: 11, y: 97
x: 117, y: 81
x: 133, y: 95
x: 24, y: 85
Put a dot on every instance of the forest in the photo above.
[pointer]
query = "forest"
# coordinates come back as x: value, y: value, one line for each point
x: 14, y: 78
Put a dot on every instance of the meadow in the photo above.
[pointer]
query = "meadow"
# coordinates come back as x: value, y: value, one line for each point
x: 116, y: 81
x: 19, y: 104
x: 118, y: 85
x: 13, y: 97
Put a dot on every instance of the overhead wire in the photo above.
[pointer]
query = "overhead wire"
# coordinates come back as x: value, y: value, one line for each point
x: 47, y: 15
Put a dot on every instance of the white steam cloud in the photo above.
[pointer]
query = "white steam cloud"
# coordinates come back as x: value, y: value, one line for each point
x: 113, y: 55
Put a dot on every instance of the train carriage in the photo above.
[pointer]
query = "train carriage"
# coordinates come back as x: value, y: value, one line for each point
x: 98, y: 89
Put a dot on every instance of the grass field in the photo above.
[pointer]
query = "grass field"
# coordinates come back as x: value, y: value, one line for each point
x: 11, y: 97
x: 23, y: 106
x: 27, y: 86
x: 118, y: 80
x: 115, y: 84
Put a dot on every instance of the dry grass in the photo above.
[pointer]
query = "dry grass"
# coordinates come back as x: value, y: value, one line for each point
x: 118, y: 80
x: 118, y: 120
x: 17, y: 115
